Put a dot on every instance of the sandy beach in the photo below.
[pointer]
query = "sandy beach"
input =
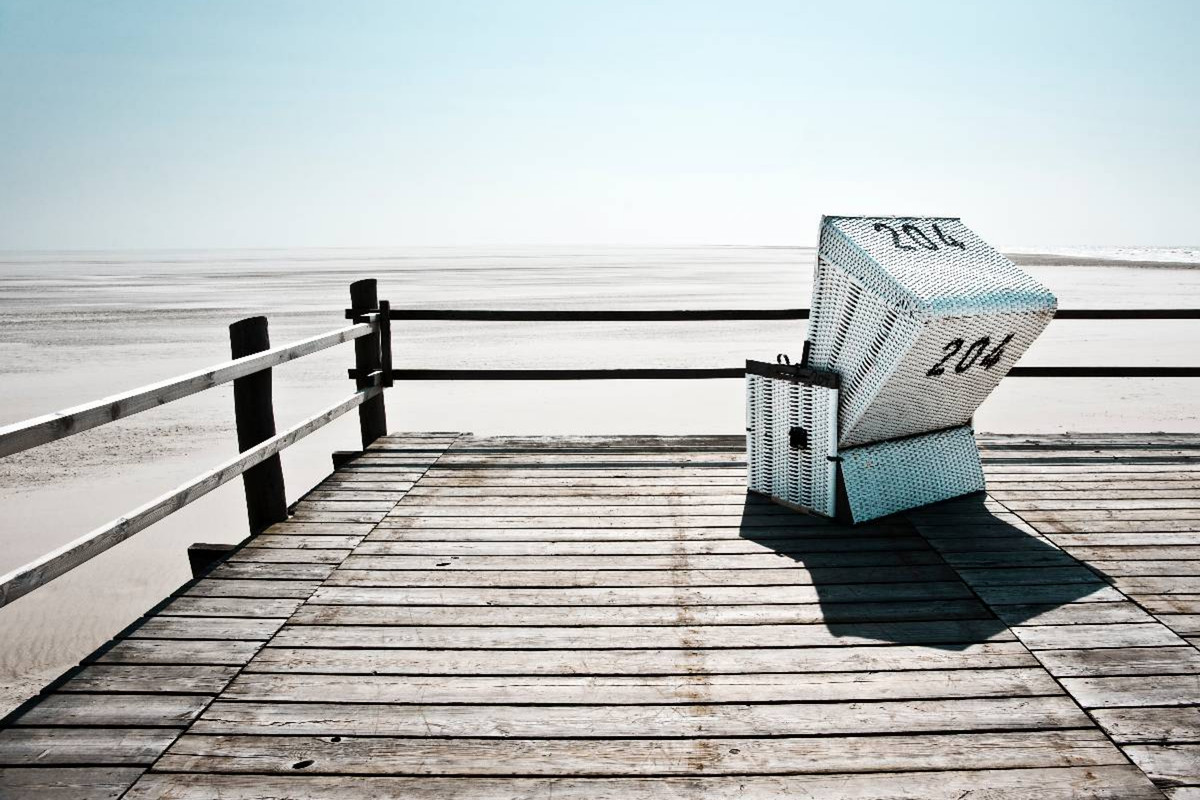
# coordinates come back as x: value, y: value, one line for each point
x: 78, y: 326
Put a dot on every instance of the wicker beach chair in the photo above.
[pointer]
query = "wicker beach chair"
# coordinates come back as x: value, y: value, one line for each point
x: 914, y: 322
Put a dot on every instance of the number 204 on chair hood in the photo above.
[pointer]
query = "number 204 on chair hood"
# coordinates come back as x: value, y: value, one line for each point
x: 920, y: 318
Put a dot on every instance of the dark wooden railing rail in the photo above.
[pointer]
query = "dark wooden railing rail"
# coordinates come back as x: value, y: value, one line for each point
x: 736, y: 315
x: 250, y: 371
x: 729, y: 314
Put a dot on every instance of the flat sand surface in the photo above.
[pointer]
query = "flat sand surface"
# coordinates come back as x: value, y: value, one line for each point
x: 78, y: 326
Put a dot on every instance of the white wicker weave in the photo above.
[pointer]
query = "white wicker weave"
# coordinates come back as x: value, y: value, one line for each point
x: 899, y: 474
x: 921, y: 319
x: 804, y: 477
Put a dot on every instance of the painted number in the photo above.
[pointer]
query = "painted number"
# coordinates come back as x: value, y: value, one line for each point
x: 918, y: 237
x: 971, y: 357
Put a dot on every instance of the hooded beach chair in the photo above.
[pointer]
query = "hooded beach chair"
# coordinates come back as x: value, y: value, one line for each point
x: 914, y: 321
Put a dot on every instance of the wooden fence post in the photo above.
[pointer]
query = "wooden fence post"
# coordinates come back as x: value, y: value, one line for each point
x: 266, y: 500
x: 372, y: 416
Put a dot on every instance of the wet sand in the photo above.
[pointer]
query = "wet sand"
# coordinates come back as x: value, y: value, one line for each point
x: 75, y: 327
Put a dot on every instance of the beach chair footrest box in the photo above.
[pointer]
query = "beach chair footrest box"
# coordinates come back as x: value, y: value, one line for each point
x: 886, y: 477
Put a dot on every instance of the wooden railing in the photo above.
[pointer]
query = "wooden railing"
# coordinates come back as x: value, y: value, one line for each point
x: 675, y: 373
x: 260, y: 445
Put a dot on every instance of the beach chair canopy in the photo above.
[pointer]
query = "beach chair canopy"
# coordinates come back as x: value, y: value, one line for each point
x: 920, y: 318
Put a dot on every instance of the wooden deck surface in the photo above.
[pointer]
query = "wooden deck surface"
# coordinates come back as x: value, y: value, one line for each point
x: 571, y: 617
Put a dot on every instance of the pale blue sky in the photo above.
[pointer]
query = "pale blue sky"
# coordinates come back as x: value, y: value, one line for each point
x: 177, y: 123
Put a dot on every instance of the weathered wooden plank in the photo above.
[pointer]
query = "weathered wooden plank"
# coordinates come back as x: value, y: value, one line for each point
x: 1167, y: 764
x: 1141, y: 690
x: 653, y: 661
x: 682, y: 637
x: 625, y: 547
x: 685, y: 757
x: 773, y: 719
x: 1056, y: 593
x: 299, y: 528
x: 473, y: 533
x: 1179, y: 660
x: 107, y: 745
x: 338, y: 517
x: 643, y: 690
x: 254, y: 570
x: 1071, y: 614
x: 1019, y: 576
x: 812, y: 613
x: 728, y: 441
x: 1018, y: 542
x: 1129, y: 498
x: 1171, y: 604
x: 1121, y: 438
x: 253, y: 588
x: 356, y: 497
x: 486, y: 511
x: 1100, y: 471
x: 683, y: 577
x: 1183, y: 624
x: 361, y: 482
x: 262, y: 607
x: 1064, y: 637
x: 1047, y: 556
x: 459, y: 456
x: 733, y: 443
x: 1138, y: 553
x: 964, y: 507
x: 632, y: 489
x: 671, y: 596
x: 1182, y: 792
x: 66, y: 783
x: 1083, y: 538
x: 377, y: 504
x: 662, y: 502
x: 1089, y: 515
x: 116, y: 710
x: 1165, y: 568
x: 179, y: 651
x: 1081, y: 456
x: 461, y: 481
x: 300, y: 541
x: 793, y: 520
x: 980, y: 526
x: 1059, y: 524
x: 678, y: 561
x: 1068, y: 783
x: 1000, y: 487
x: 1139, y: 585
x: 222, y: 628
x: 181, y: 678
x: 281, y: 555
x: 1150, y: 725
x: 610, y: 468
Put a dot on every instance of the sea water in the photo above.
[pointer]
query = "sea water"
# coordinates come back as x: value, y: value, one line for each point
x: 79, y: 326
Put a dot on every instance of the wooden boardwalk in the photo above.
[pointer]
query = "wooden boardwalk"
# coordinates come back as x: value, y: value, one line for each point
x: 455, y: 616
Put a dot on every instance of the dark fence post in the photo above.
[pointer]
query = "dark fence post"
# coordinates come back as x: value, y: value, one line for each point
x: 372, y: 416
x: 266, y: 501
